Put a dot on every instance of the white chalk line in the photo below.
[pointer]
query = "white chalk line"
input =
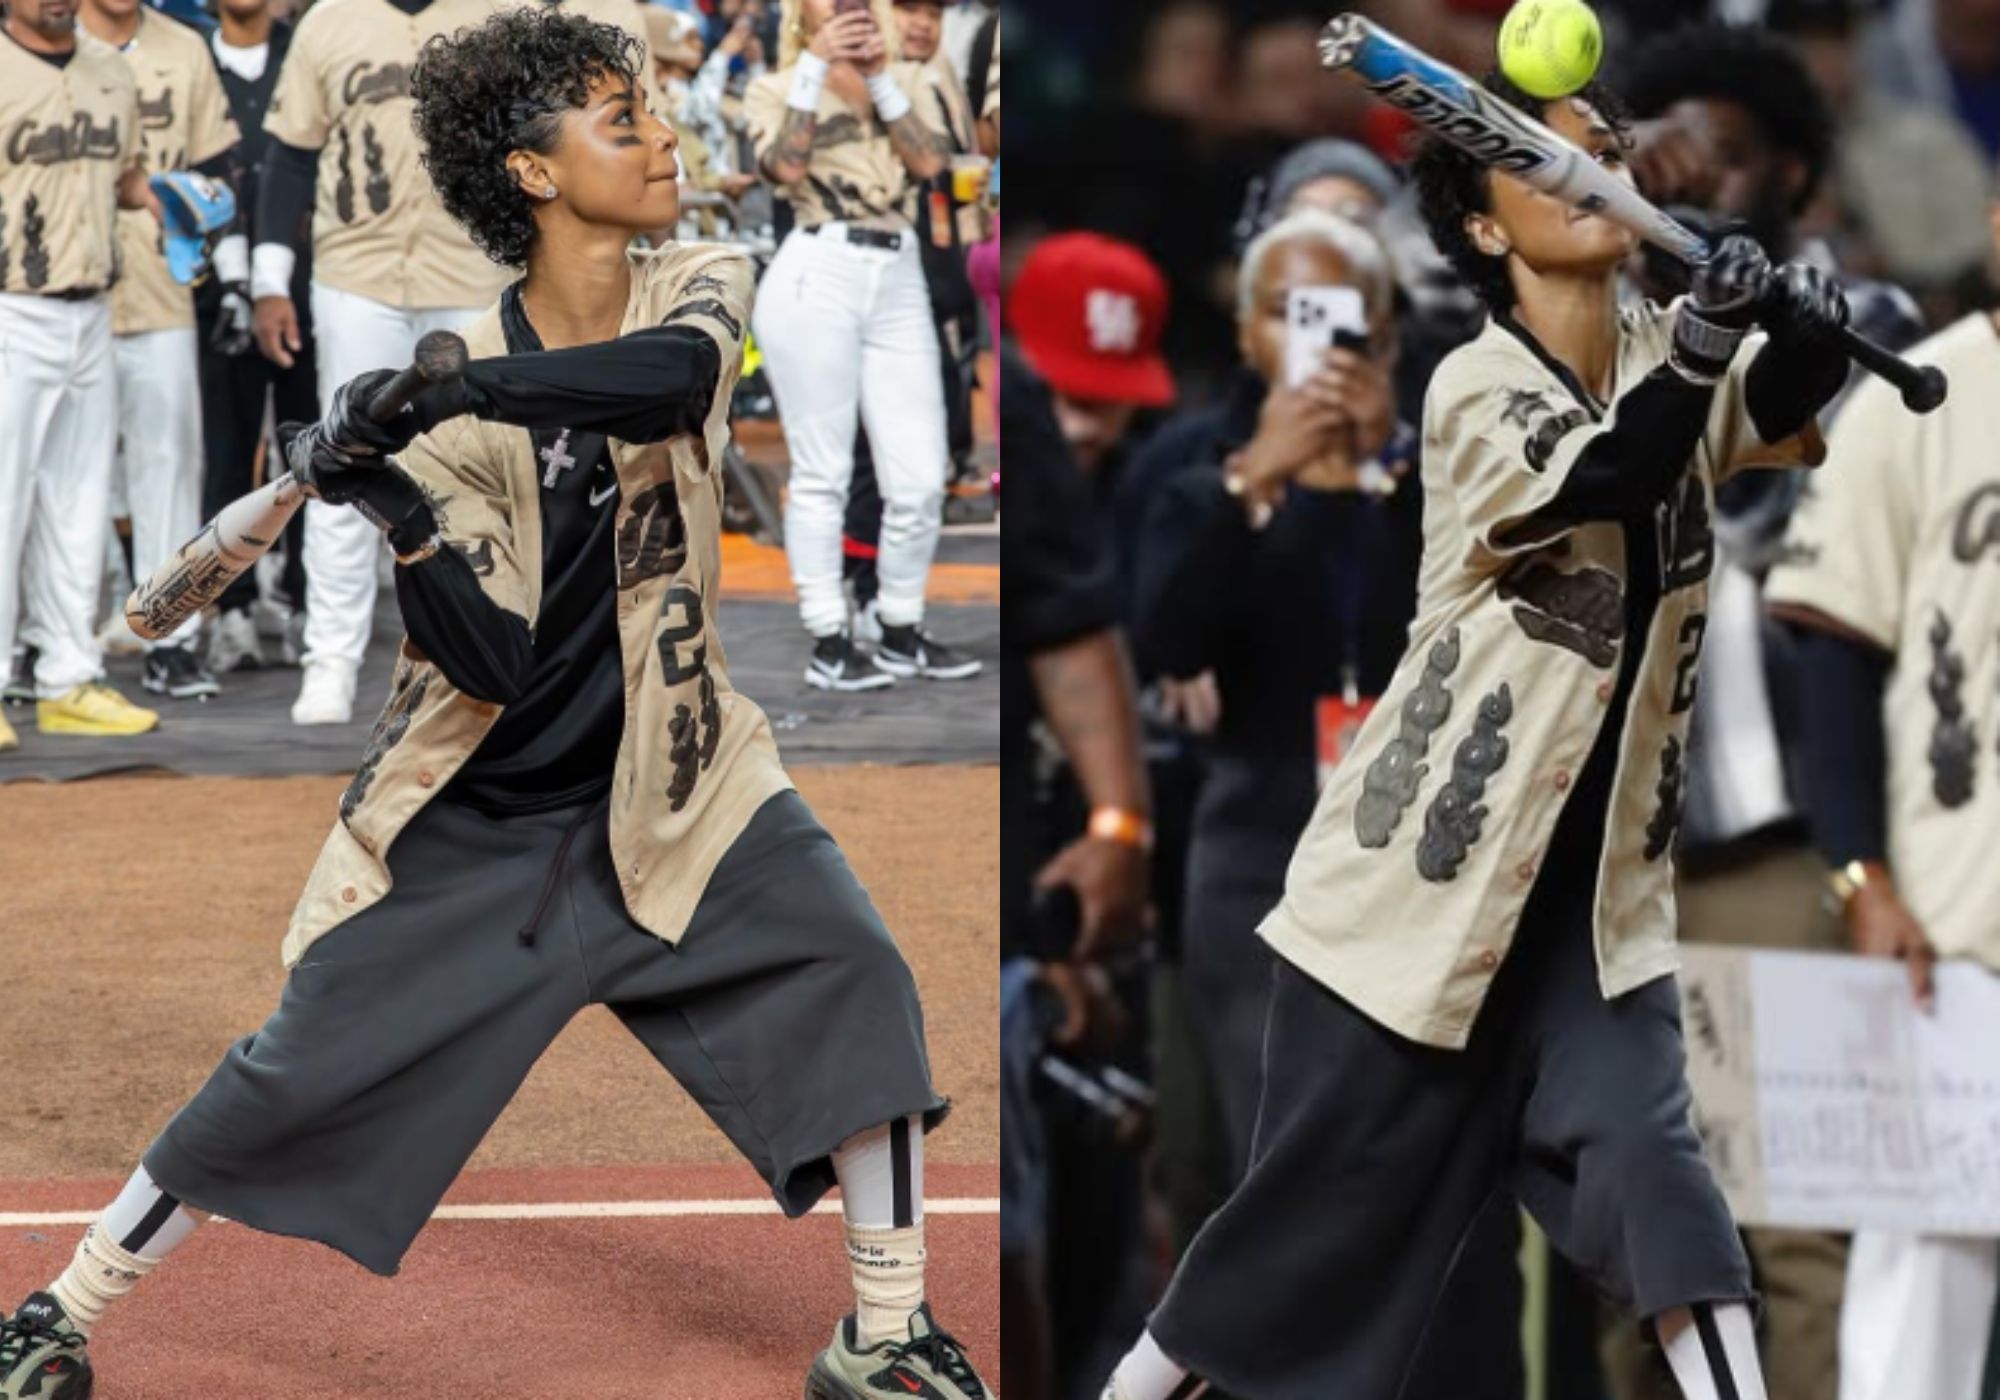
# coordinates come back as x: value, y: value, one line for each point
x: 565, y: 1210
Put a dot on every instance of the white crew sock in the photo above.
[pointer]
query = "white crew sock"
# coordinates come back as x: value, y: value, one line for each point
x: 1147, y: 1373
x: 881, y: 1174
x: 136, y: 1232
x: 1715, y: 1356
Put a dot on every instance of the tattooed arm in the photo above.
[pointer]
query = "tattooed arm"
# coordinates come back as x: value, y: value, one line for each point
x: 790, y: 155
x: 921, y: 149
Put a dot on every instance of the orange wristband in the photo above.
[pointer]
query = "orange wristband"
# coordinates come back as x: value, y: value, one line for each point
x: 1125, y: 828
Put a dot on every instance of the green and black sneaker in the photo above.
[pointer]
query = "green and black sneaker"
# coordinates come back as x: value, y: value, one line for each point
x: 931, y: 1365
x: 41, y: 1354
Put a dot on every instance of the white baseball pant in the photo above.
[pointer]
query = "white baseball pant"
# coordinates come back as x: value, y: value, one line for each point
x: 58, y: 431
x: 159, y: 422
x: 1916, y: 1316
x: 847, y: 328
x: 353, y: 334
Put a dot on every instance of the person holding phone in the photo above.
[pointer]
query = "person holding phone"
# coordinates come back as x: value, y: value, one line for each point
x: 844, y: 321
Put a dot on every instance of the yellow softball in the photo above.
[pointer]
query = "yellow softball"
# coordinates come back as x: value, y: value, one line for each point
x: 1550, y: 48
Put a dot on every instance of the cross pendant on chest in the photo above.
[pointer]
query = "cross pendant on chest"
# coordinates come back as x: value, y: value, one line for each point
x: 558, y: 459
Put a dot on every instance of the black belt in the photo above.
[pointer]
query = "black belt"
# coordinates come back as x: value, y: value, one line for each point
x: 866, y: 237
x: 73, y: 294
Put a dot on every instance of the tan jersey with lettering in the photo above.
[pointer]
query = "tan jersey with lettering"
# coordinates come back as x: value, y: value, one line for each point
x: 1405, y: 891
x: 697, y: 759
x: 1898, y: 538
x: 855, y: 174
x: 183, y: 120
x: 68, y: 133
x: 950, y: 110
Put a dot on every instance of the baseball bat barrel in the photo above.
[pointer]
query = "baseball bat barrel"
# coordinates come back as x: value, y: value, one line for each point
x: 1447, y: 103
x: 440, y: 357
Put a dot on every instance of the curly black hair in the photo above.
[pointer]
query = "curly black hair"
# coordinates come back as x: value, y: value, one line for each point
x: 504, y: 86
x: 1758, y: 70
x: 1452, y: 186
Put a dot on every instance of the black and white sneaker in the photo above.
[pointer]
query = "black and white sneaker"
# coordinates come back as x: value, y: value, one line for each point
x: 20, y: 688
x: 177, y: 672
x: 906, y: 652
x: 836, y: 665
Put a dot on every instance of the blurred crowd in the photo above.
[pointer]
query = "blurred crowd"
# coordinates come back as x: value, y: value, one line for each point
x: 1213, y: 557
x: 161, y: 407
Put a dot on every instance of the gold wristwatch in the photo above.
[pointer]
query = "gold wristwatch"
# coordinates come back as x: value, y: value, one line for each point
x: 1847, y: 882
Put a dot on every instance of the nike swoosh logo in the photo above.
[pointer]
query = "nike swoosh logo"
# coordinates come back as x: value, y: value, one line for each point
x: 609, y: 492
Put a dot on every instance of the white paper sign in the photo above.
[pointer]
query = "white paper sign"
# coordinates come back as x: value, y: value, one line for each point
x: 1828, y: 1101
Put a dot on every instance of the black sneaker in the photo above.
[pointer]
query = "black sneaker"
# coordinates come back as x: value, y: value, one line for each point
x: 178, y: 672
x: 42, y: 1353
x: 20, y: 688
x: 906, y: 651
x: 836, y: 665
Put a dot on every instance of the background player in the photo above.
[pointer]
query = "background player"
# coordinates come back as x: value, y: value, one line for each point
x: 70, y: 110
x: 1525, y: 757
x: 184, y: 123
x: 846, y: 329
x: 702, y: 901
x: 1887, y: 575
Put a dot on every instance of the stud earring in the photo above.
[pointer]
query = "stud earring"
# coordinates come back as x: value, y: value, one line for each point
x: 549, y: 193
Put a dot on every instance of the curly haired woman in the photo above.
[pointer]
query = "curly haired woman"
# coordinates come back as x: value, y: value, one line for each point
x: 565, y: 802
x: 1473, y: 998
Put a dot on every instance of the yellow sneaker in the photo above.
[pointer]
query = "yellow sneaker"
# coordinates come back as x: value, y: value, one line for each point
x: 8, y: 738
x: 93, y: 708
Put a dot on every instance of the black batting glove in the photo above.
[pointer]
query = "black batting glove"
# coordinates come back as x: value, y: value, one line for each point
x: 1723, y: 302
x: 1804, y: 366
x: 231, y: 334
x: 373, y: 485
x: 350, y: 427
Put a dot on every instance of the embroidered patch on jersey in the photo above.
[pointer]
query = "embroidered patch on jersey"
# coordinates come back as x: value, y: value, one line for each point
x: 1524, y: 406
x: 1542, y: 442
x: 685, y: 754
x: 343, y: 188
x: 481, y: 559
x: 1456, y: 816
x: 1976, y: 529
x: 1954, y: 749
x: 1665, y: 824
x: 709, y: 307
x: 693, y: 736
x: 1583, y: 612
x: 1687, y: 539
x: 378, y: 178
x: 35, y: 256
x: 1392, y: 780
x: 652, y: 538
x: 388, y: 732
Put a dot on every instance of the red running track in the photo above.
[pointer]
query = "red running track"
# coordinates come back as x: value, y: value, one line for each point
x: 690, y: 1307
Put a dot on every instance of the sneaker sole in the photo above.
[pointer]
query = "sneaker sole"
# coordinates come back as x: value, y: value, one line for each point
x: 908, y: 669
x: 822, y: 1384
x: 16, y: 699
x: 820, y: 682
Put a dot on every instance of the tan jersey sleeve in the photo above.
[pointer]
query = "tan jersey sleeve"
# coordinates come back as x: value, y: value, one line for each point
x: 298, y: 114
x: 716, y: 300
x: 1848, y: 552
x: 467, y: 489
x: 211, y: 130
x: 1505, y: 443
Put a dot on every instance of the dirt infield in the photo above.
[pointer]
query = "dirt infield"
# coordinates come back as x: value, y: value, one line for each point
x: 140, y: 920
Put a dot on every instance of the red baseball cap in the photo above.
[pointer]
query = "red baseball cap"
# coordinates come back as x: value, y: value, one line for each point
x: 1088, y: 312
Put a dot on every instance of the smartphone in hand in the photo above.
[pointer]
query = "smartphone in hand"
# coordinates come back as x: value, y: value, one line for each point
x: 1316, y: 319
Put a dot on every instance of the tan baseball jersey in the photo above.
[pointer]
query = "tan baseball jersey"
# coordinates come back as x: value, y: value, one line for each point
x: 950, y: 109
x: 1899, y: 539
x: 1404, y: 892
x: 697, y: 759
x: 183, y: 120
x: 69, y: 132
x: 855, y: 174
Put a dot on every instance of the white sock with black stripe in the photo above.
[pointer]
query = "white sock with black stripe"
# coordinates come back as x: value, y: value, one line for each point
x: 1714, y: 1352
x: 881, y: 1174
x: 1147, y: 1373
x: 136, y: 1232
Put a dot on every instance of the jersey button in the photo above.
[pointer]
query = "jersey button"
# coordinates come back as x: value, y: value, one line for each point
x: 1489, y: 960
x: 1526, y: 870
x: 1562, y: 780
x: 348, y: 895
x: 1604, y: 692
x: 426, y: 778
